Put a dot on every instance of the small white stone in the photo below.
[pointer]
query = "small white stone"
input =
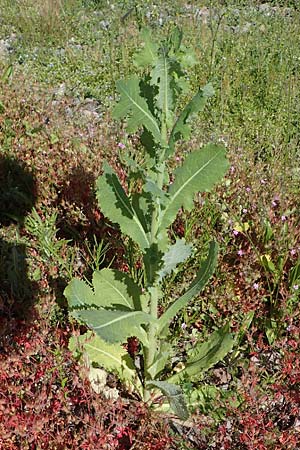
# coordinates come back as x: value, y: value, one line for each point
x: 97, y: 379
x: 110, y: 393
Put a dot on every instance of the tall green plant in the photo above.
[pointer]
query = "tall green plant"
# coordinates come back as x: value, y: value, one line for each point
x: 115, y: 307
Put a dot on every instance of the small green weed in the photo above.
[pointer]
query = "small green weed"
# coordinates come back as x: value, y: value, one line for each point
x: 53, y: 251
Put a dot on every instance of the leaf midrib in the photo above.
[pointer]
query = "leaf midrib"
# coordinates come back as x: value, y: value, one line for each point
x: 105, y: 353
x: 118, y: 319
x: 193, y: 290
x: 118, y: 291
x: 176, y: 194
x: 131, y: 212
x: 145, y: 112
x: 166, y: 109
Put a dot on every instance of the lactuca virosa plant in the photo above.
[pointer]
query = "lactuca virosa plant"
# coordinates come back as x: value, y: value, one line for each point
x: 115, y: 307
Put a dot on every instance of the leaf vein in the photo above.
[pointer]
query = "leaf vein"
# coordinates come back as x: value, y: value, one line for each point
x: 142, y: 110
x: 193, y: 176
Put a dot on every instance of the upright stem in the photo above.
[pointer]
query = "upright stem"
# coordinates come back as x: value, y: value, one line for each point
x: 150, y: 352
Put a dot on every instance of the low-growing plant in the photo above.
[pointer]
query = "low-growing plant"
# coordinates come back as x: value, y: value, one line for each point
x: 275, y: 254
x: 115, y: 307
x: 53, y: 251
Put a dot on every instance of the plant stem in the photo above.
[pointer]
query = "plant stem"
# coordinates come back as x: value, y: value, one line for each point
x: 150, y: 352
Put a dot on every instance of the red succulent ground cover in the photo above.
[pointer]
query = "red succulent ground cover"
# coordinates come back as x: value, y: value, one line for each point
x: 46, y: 401
x: 268, y: 417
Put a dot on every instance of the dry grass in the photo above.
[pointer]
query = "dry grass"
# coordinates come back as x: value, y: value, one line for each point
x: 47, y: 20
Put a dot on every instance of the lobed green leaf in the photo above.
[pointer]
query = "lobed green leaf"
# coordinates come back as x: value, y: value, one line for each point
x: 135, y: 108
x: 177, y: 253
x: 199, y: 172
x: 204, y: 274
x: 112, y: 289
x: 114, y: 326
x: 117, y: 207
x: 174, y: 396
x: 207, y: 354
x: 182, y: 128
x: 115, y: 289
x: 147, y: 55
x: 113, y: 357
